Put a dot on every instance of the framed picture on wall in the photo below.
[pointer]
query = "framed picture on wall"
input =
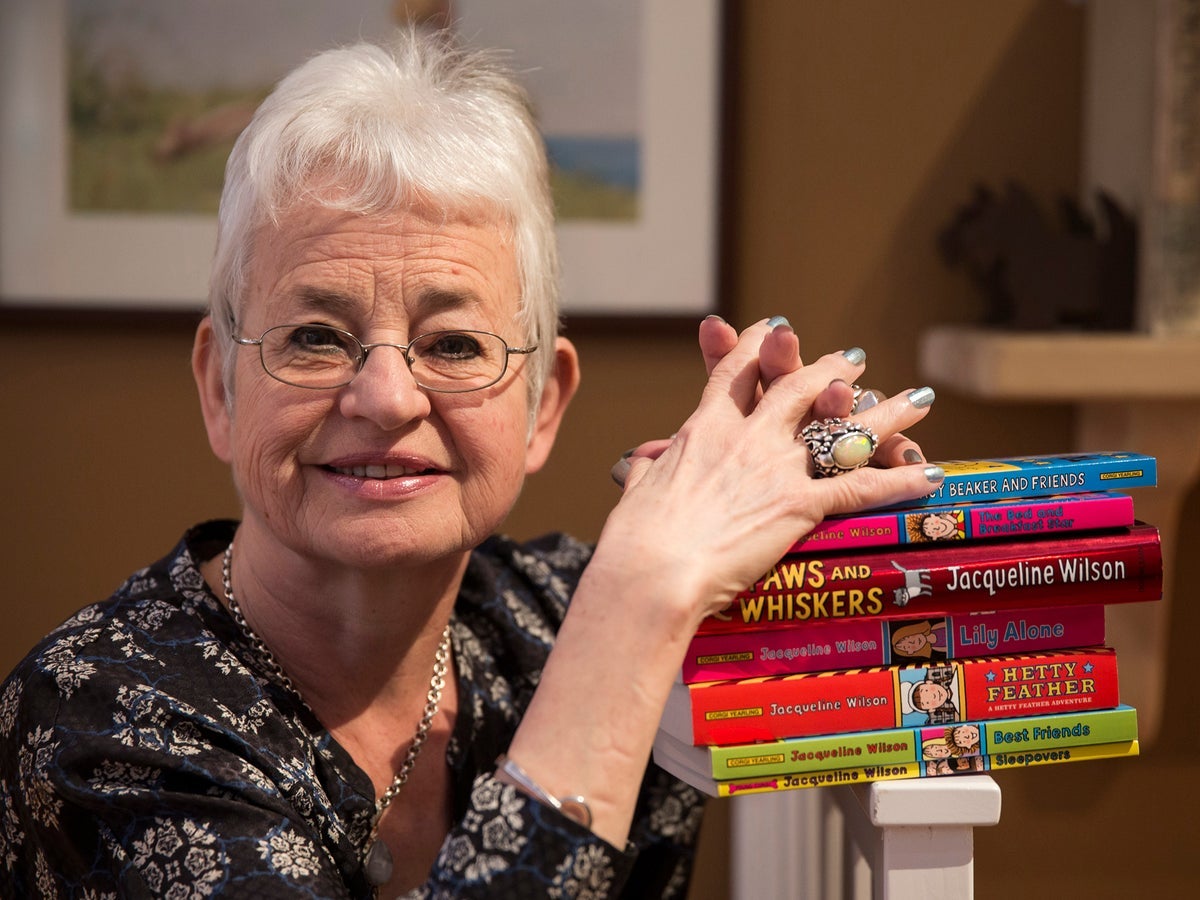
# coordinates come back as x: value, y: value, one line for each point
x: 116, y: 117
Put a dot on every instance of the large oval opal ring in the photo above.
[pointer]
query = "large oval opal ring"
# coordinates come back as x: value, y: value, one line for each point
x: 838, y: 445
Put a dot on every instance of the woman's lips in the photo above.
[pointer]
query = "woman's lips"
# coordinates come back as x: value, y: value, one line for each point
x: 389, y: 470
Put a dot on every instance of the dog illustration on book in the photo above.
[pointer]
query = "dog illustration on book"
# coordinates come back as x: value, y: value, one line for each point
x: 917, y: 583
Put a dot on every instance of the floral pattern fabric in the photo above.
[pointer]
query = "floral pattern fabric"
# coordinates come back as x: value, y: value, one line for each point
x: 147, y: 751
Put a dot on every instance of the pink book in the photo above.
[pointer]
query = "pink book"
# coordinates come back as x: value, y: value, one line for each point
x: 1037, y: 517
x: 860, y: 643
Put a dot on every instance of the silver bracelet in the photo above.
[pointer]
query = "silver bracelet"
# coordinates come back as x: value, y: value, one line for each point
x: 573, y: 807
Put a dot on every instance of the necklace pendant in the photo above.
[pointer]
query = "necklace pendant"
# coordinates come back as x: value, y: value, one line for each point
x: 377, y: 865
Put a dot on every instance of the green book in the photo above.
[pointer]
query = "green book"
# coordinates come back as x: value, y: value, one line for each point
x: 928, y: 743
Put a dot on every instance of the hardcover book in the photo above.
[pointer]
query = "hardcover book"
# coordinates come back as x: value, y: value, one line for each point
x: 933, y: 743
x: 971, y: 521
x: 766, y: 709
x: 853, y: 643
x: 973, y: 480
x: 1118, y: 566
x: 1017, y: 759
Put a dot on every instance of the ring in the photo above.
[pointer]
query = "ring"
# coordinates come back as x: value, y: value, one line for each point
x: 865, y: 398
x: 838, y: 446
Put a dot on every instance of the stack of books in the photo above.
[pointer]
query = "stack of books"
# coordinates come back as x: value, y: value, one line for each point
x: 963, y: 632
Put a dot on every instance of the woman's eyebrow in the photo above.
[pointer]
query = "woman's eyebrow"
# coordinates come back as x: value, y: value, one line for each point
x: 440, y: 299
x: 428, y: 301
x: 314, y: 299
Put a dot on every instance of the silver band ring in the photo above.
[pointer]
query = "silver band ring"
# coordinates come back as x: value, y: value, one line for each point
x: 838, y: 445
x: 865, y: 398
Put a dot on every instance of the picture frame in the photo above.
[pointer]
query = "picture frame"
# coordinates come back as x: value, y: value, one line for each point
x: 660, y: 264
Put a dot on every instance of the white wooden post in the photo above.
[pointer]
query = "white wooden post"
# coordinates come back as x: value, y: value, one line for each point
x: 892, y: 840
x: 917, y: 836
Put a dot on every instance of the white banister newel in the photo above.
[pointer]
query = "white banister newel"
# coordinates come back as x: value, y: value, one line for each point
x: 891, y: 840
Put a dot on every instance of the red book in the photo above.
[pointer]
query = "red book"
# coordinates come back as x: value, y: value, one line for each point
x: 1119, y: 566
x: 767, y: 709
x: 858, y: 642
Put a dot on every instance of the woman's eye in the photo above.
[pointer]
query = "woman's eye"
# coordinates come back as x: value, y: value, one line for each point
x: 454, y: 345
x: 316, y: 337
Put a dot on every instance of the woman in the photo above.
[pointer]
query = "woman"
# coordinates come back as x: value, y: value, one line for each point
x: 356, y: 690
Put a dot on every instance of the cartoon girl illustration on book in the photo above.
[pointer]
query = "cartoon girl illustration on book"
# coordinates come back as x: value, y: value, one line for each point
x: 936, y: 753
x: 963, y: 740
x: 951, y: 751
x: 933, y: 697
x: 920, y: 641
x: 928, y: 527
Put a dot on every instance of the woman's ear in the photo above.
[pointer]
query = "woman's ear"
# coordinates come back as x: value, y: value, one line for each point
x: 560, y: 387
x: 207, y: 369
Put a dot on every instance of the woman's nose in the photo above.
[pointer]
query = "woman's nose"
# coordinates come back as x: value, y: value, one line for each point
x: 385, y: 390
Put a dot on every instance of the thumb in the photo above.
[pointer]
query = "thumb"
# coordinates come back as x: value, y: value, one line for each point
x: 629, y: 470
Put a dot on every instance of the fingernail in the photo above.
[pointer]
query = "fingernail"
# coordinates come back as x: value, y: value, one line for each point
x: 628, y: 453
x: 912, y: 456
x: 620, y: 471
x: 776, y: 321
x: 856, y: 355
x: 932, y: 473
x: 713, y: 317
x: 921, y: 397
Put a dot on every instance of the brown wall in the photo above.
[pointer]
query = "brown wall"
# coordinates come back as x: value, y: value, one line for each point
x: 855, y: 131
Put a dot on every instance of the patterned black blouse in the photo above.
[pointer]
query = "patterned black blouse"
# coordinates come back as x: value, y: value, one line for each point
x: 145, y: 751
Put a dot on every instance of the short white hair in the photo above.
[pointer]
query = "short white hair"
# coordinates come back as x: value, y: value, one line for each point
x: 421, y: 123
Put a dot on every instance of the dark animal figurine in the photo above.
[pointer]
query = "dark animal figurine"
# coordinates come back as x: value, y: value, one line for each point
x: 1035, y: 276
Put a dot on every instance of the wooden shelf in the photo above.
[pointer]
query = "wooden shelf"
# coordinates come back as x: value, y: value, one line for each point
x: 1067, y: 367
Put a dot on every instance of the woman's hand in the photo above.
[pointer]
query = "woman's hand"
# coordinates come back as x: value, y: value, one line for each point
x: 733, y: 489
x: 779, y: 354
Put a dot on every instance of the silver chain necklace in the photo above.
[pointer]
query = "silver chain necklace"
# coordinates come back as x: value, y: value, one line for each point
x: 377, y: 861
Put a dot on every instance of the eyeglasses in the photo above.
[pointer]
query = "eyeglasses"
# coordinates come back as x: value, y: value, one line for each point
x: 321, y: 357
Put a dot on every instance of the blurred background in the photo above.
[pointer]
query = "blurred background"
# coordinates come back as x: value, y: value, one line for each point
x: 852, y: 132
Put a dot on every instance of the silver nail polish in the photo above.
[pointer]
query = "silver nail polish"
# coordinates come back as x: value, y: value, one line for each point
x: 620, y: 471
x: 912, y: 456
x: 856, y: 355
x: 934, y: 473
x: 776, y: 321
x: 921, y: 397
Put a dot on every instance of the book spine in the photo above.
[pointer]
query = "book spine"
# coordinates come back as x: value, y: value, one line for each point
x: 859, y: 643
x: 1109, y: 567
x: 975, y: 480
x: 765, y: 709
x: 900, y: 745
x: 970, y: 521
x: 904, y: 771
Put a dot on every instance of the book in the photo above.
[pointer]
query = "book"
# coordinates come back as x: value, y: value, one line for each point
x: 784, y: 706
x: 996, y: 762
x: 889, y: 746
x: 1005, y: 477
x: 860, y: 642
x: 1117, y: 566
x: 1022, y: 517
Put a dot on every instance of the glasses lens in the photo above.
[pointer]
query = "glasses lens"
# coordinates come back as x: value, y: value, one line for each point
x: 457, y: 360
x: 314, y: 356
